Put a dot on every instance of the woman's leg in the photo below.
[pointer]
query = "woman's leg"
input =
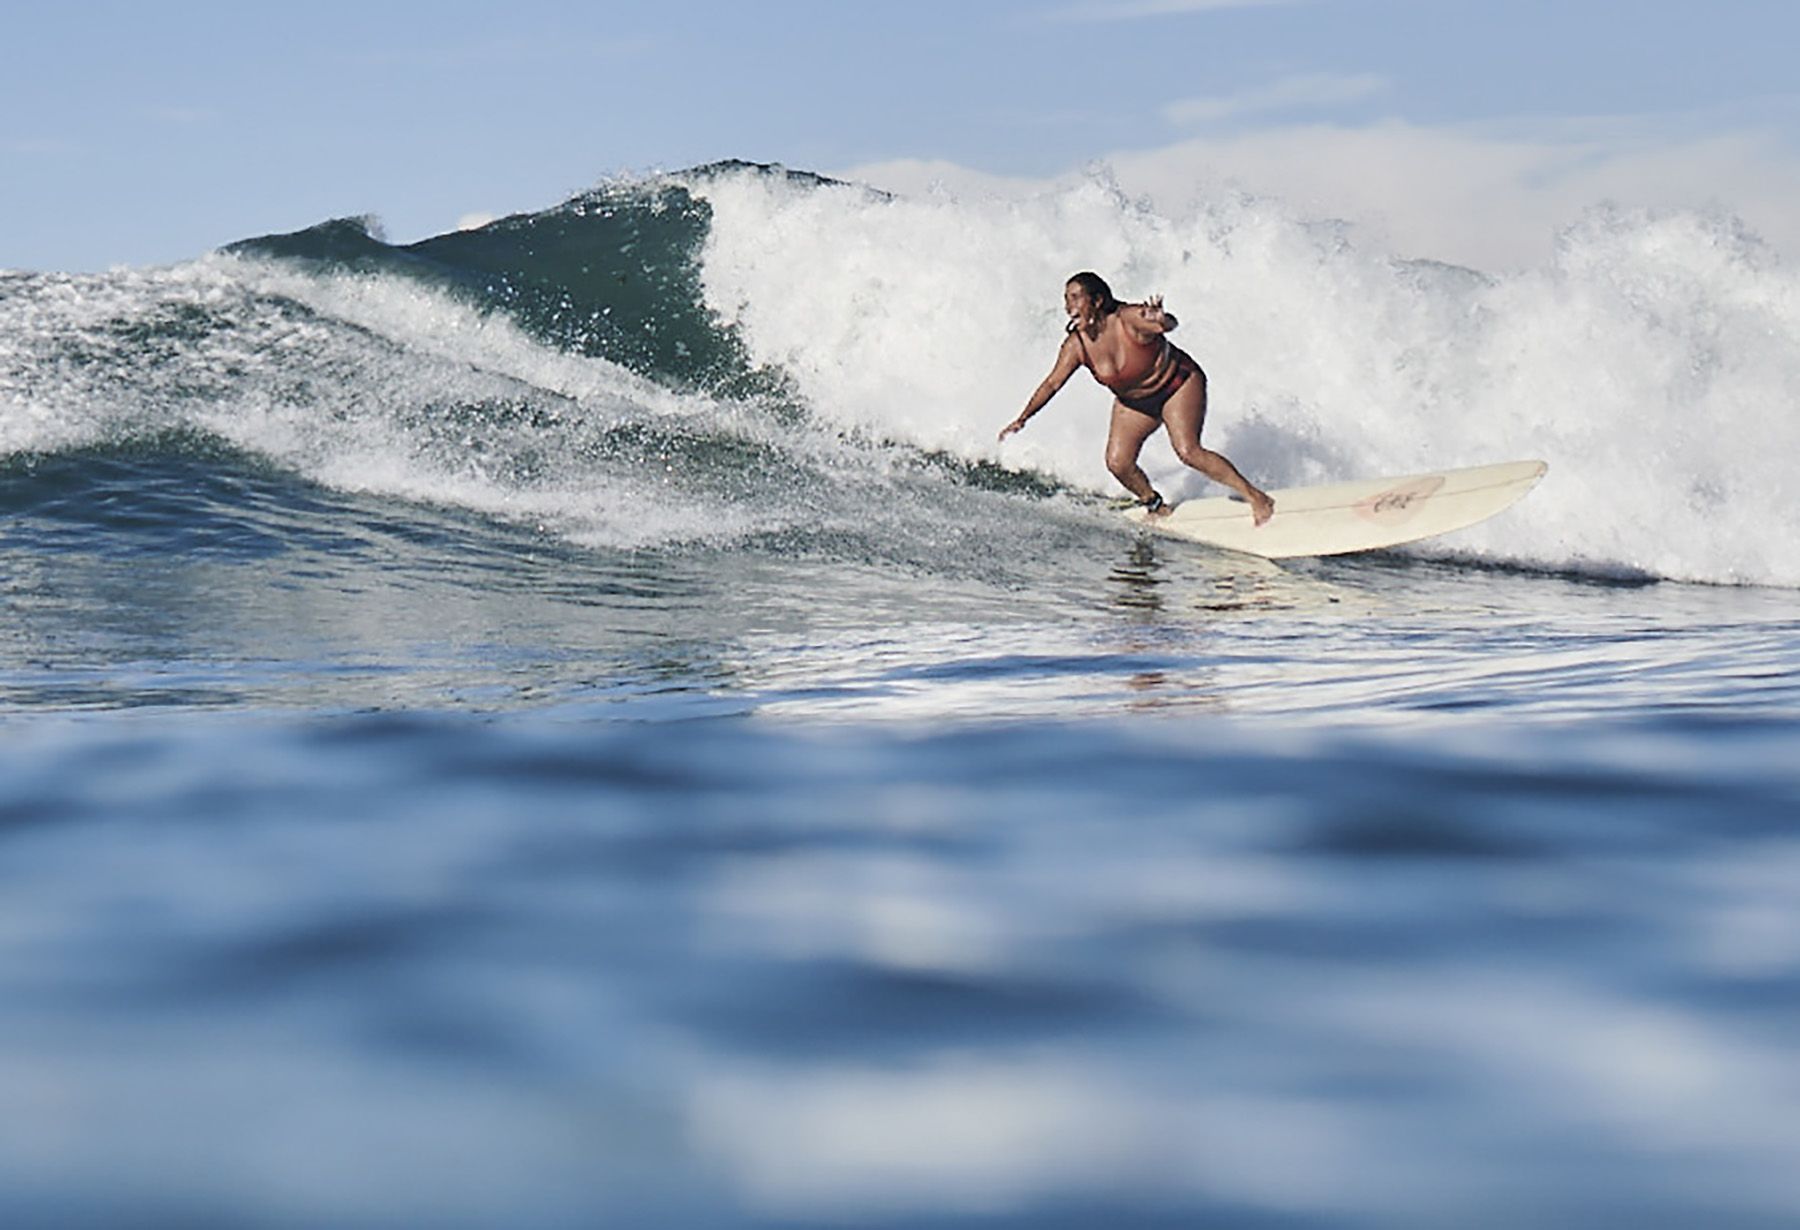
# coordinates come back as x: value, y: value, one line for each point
x: 1185, y: 414
x: 1124, y: 441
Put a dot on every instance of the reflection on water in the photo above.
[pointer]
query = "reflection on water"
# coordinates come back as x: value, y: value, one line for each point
x: 1135, y: 581
x: 1203, y: 580
x: 1152, y: 626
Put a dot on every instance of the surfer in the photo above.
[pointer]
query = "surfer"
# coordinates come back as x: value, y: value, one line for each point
x: 1154, y: 384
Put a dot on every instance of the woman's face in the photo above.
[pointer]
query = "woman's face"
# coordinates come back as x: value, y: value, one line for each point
x: 1077, y: 302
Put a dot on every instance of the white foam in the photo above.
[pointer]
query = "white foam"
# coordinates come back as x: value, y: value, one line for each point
x: 1655, y: 363
x: 355, y: 381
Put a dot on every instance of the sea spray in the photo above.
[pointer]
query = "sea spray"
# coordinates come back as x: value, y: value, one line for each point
x: 1655, y: 364
x: 740, y: 355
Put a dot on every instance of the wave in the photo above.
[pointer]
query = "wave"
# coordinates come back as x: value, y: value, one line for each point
x: 1655, y: 363
x: 745, y: 355
x: 610, y: 274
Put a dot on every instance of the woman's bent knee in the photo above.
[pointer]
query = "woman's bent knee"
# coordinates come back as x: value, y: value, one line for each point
x: 1196, y: 457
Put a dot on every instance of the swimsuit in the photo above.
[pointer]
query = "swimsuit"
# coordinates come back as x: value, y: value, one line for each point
x: 1152, y: 403
x: 1181, y: 366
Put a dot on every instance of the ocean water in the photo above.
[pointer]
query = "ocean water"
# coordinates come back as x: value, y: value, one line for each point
x: 578, y: 723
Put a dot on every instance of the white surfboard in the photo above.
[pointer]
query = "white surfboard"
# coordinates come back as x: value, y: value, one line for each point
x: 1340, y: 518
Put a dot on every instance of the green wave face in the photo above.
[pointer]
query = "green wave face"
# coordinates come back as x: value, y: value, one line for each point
x: 612, y: 273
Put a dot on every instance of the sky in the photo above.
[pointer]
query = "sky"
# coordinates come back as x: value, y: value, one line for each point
x: 1466, y: 130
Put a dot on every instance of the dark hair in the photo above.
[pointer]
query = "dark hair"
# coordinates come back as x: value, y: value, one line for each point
x: 1097, y: 290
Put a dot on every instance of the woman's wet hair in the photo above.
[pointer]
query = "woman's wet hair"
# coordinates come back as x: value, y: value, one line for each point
x: 1097, y: 290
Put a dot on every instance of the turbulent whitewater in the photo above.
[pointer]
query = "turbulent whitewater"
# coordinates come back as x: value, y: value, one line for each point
x: 739, y: 351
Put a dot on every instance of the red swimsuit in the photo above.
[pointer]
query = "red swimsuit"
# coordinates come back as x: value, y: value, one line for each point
x: 1151, y: 403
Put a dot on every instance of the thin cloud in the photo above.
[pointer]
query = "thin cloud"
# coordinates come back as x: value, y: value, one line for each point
x: 185, y: 117
x: 1101, y: 11
x: 1490, y: 197
x: 1475, y: 198
x: 502, y: 52
x: 1287, y: 94
x: 39, y: 147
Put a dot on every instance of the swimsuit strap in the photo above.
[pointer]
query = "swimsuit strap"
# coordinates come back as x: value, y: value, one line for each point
x: 1081, y: 341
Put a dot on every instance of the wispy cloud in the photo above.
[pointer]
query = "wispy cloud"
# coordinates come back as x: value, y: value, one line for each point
x: 1126, y: 10
x: 1490, y: 197
x: 185, y: 117
x: 38, y: 147
x: 1286, y: 94
x: 505, y: 51
x: 1483, y: 199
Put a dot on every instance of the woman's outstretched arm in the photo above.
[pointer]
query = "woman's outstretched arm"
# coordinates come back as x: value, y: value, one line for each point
x: 1067, y: 360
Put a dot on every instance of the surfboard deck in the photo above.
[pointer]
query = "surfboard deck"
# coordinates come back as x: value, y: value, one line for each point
x: 1343, y: 518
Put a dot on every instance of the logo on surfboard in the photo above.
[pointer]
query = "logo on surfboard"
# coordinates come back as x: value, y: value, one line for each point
x: 1398, y: 503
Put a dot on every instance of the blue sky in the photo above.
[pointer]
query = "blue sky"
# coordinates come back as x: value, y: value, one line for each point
x: 149, y: 133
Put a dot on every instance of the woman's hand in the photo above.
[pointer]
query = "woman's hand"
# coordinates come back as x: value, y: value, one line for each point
x: 1152, y: 318
x: 1016, y: 425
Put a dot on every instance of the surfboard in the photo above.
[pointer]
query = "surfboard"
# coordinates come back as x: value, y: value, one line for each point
x: 1343, y: 518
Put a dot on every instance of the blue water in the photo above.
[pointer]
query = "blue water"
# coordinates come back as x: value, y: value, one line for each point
x: 460, y: 766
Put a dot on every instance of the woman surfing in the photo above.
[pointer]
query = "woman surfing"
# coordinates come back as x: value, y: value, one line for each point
x: 1154, y: 384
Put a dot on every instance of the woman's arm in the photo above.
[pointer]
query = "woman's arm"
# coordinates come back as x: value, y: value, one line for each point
x: 1066, y: 363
